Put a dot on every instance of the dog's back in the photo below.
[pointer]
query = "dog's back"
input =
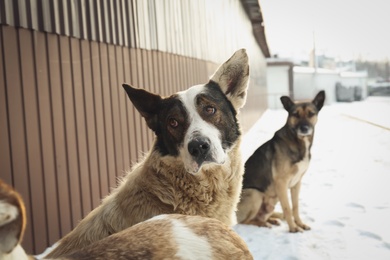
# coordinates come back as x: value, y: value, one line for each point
x: 170, y: 236
x: 258, y: 167
x: 281, y: 148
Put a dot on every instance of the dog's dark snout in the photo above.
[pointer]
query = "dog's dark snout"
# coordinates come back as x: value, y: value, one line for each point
x: 199, y: 147
x: 304, y: 128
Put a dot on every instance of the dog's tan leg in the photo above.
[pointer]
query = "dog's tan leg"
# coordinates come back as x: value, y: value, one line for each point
x: 281, y: 190
x: 295, y: 206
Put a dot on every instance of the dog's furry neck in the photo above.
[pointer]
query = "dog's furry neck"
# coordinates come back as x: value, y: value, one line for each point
x: 295, y: 145
x: 290, y: 134
x: 183, y: 192
x: 169, y: 169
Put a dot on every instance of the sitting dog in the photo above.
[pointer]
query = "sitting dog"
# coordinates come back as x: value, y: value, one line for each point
x: 194, y: 166
x: 170, y: 236
x: 278, y: 165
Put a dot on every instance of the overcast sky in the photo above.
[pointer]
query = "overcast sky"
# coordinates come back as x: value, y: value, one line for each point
x: 343, y: 28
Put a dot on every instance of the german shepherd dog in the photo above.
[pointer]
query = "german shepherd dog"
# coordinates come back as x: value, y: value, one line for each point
x: 279, y: 165
x: 194, y: 166
x: 171, y: 236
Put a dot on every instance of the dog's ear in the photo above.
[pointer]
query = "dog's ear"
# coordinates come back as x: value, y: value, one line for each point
x: 287, y: 102
x: 233, y: 77
x: 146, y: 103
x: 318, y: 101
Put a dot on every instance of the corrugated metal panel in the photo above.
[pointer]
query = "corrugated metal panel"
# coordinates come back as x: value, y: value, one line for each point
x: 47, y: 143
x: 200, y: 29
x: 5, y: 147
x: 16, y: 119
x: 68, y: 129
x: 34, y: 156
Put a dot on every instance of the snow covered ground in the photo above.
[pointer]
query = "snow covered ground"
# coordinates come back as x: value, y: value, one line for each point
x: 345, y: 195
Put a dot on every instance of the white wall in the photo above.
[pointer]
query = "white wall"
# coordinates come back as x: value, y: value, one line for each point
x: 307, y: 83
x: 277, y: 85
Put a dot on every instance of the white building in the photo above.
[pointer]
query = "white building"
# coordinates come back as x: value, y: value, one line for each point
x: 302, y: 83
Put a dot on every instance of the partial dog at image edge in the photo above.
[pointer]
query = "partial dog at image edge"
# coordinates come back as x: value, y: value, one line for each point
x: 12, y: 223
x: 170, y: 236
x: 279, y: 165
x: 194, y: 166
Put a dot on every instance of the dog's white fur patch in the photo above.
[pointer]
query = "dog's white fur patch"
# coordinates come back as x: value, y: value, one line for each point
x: 309, y: 132
x: 158, y: 217
x: 8, y: 212
x: 302, y: 165
x: 47, y: 251
x: 190, y: 245
x: 199, y: 127
x: 17, y: 254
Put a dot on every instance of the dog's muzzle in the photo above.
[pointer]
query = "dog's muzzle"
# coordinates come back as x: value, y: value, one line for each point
x: 199, y: 149
x: 305, y: 129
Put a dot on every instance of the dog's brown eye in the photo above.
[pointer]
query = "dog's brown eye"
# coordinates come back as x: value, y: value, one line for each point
x: 295, y: 114
x: 173, y: 122
x: 310, y: 114
x: 209, y: 110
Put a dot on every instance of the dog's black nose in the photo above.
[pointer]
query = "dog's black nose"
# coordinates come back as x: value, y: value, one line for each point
x: 199, y: 148
x: 304, y: 128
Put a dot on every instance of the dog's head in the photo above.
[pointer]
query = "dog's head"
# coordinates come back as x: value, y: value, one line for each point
x: 198, y: 125
x: 302, y: 117
x: 12, y: 223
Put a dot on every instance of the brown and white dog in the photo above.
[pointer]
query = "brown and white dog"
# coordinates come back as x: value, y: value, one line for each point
x: 171, y: 236
x: 194, y: 167
x: 278, y: 165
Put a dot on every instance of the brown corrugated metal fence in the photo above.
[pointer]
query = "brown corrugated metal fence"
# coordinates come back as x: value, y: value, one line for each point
x: 67, y: 130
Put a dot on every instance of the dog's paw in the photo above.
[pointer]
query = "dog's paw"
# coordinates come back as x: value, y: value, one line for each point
x: 267, y: 225
x: 303, y: 226
x: 259, y: 223
x: 273, y: 221
x: 295, y: 229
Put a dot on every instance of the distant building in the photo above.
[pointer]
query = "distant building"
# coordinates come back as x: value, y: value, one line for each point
x: 302, y: 83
